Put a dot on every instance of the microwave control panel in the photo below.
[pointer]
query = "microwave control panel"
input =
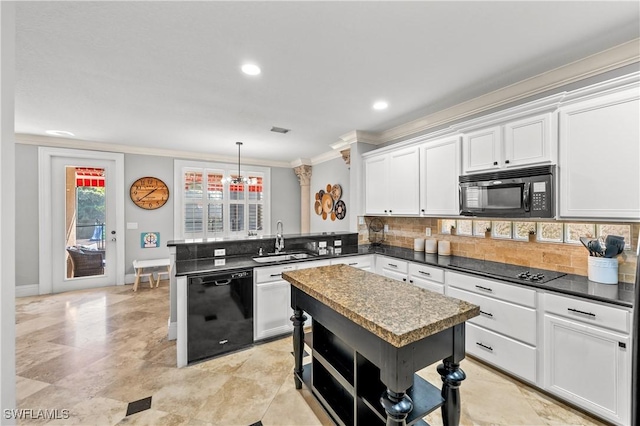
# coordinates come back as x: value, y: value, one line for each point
x: 539, y: 200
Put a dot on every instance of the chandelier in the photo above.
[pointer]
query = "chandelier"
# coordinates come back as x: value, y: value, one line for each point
x: 237, y: 180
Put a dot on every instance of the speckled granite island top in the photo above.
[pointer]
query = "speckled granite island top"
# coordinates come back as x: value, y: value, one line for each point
x: 397, y: 312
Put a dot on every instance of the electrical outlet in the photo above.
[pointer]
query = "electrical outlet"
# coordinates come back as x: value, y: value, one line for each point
x: 219, y: 252
x: 427, y: 232
x: 386, y: 228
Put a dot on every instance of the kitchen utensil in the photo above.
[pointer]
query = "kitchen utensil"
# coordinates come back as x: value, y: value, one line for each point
x: 595, y: 247
x: 585, y: 242
x: 611, y: 250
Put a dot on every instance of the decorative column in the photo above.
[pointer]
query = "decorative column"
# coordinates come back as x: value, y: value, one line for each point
x: 346, y: 156
x: 304, y: 177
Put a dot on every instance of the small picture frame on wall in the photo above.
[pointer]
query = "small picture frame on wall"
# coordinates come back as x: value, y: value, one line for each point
x: 150, y: 240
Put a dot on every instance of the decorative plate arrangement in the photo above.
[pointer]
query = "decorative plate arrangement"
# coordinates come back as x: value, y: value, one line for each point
x: 328, y: 203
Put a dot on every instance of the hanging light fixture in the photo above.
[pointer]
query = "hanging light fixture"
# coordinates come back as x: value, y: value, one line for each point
x: 239, y: 179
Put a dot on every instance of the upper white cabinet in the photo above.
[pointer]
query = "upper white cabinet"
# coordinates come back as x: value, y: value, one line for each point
x: 599, y: 151
x: 440, y: 167
x: 523, y: 142
x: 392, y: 182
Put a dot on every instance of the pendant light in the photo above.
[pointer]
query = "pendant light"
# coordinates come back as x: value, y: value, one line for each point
x: 239, y: 179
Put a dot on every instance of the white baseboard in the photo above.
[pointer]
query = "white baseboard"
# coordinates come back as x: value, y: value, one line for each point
x: 27, y: 290
x: 173, y: 330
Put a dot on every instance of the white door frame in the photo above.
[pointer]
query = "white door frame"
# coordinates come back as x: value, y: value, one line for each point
x: 45, y: 155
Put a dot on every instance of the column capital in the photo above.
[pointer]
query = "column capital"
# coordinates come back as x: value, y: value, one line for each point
x: 304, y: 174
x: 346, y: 156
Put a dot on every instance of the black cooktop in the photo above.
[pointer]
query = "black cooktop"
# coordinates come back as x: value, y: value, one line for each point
x: 510, y: 272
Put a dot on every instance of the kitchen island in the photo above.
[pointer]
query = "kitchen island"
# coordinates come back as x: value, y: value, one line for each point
x: 370, y: 335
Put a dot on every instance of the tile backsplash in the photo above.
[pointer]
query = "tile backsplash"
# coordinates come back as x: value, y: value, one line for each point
x: 563, y: 257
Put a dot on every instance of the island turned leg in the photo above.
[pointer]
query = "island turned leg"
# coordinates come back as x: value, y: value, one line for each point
x: 397, y: 405
x: 452, y: 376
x: 298, y: 320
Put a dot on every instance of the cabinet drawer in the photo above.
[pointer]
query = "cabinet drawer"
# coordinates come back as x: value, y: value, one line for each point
x: 355, y: 261
x: 509, y: 292
x: 392, y: 264
x: 588, y: 312
x: 515, y: 321
x: 507, y: 354
x: 427, y: 272
x: 271, y: 273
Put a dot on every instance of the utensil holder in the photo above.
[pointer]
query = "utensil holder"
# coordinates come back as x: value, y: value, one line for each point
x: 603, y: 270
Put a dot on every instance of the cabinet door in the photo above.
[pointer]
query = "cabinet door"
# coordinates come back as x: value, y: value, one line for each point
x: 376, y: 189
x: 440, y: 166
x: 528, y: 141
x: 273, y: 310
x: 599, y: 151
x: 404, y: 181
x: 588, y: 366
x: 481, y: 150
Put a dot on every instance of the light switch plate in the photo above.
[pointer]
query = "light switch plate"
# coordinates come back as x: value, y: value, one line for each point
x: 219, y: 252
x: 386, y: 228
x: 132, y: 225
x: 322, y: 244
x: 360, y: 220
x: 427, y: 232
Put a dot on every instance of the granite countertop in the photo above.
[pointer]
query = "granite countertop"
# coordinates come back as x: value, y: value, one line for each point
x: 621, y: 294
x: 397, y: 312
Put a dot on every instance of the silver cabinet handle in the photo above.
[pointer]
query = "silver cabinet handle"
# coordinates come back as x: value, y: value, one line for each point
x: 484, y: 288
x: 392, y: 265
x: 425, y: 273
x: 581, y: 312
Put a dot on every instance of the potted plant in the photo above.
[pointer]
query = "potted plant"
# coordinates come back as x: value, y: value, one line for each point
x: 452, y: 231
x: 532, y: 236
x: 487, y: 232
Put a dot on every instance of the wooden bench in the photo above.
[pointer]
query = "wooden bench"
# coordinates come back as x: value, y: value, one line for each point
x: 140, y: 265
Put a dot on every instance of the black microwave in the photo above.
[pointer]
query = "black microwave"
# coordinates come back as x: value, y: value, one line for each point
x: 528, y: 192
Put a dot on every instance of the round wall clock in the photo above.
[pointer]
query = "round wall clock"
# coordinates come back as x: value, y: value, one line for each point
x: 149, y: 193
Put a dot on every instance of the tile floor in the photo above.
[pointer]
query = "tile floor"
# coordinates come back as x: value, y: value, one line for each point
x: 93, y: 352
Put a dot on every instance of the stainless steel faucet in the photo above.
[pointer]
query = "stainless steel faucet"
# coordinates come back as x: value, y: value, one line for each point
x: 279, y: 236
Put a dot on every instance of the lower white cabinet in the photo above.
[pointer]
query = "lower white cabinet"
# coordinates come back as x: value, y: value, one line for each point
x: 392, y: 268
x: 587, y: 361
x: 427, y: 277
x: 364, y: 262
x: 272, y: 302
x: 505, y: 334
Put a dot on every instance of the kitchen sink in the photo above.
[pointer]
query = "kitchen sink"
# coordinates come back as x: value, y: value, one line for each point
x: 282, y: 257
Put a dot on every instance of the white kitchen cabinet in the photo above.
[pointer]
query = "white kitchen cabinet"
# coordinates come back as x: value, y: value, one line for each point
x: 392, y: 182
x: 599, y: 151
x: 587, y: 359
x: 427, y: 277
x: 440, y: 168
x: 505, y: 333
x: 526, y: 141
x: 272, y: 302
x: 364, y: 262
x: 392, y: 268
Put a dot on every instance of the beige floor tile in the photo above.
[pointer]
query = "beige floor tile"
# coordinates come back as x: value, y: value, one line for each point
x: 27, y: 387
x: 94, y: 411
x: 61, y: 366
x: 155, y: 418
x: 50, y: 398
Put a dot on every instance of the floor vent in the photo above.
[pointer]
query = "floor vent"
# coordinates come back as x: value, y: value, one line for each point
x: 139, y: 405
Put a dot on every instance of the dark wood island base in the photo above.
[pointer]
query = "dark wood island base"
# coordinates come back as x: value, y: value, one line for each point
x: 361, y: 374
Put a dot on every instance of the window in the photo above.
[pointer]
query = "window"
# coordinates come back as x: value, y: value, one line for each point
x: 210, y: 207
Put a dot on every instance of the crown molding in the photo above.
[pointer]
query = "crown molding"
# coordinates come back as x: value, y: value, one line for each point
x: 356, y: 136
x: 327, y: 156
x: 607, y: 60
x: 300, y: 162
x: 39, y: 140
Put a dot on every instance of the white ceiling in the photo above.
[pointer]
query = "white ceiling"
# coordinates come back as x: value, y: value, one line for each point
x: 167, y: 74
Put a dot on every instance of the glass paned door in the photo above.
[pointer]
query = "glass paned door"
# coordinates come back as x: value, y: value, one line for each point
x: 85, y: 219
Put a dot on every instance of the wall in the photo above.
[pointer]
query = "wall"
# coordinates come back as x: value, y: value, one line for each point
x: 158, y: 220
x: 285, y: 200
x: 568, y: 258
x: 330, y: 172
x: 26, y: 247
x: 285, y: 206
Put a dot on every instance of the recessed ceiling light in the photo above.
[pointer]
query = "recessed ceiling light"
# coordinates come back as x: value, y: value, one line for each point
x: 59, y: 133
x: 380, y: 105
x: 251, y: 69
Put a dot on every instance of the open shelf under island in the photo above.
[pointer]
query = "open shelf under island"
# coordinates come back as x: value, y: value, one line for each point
x: 370, y: 335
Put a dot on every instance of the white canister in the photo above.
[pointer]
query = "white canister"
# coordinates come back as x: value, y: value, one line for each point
x: 430, y: 245
x: 418, y: 244
x: 603, y: 270
x: 444, y: 248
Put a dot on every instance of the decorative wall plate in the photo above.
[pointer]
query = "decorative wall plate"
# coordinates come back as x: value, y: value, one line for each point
x: 340, y: 209
x: 336, y: 192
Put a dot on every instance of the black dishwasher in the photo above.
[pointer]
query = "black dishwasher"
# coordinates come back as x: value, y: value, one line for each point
x: 220, y: 313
